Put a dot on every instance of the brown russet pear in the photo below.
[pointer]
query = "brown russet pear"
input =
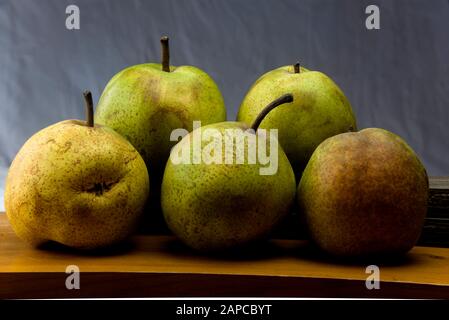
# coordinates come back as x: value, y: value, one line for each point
x: 364, y: 194
x: 221, y: 204
x: 76, y: 183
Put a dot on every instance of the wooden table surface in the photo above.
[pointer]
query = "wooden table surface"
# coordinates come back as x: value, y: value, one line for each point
x: 159, y: 266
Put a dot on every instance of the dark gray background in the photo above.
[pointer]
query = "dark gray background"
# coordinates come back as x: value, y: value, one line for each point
x: 396, y: 77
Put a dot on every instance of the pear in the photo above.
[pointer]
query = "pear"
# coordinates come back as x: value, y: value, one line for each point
x: 227, y: 200
x: 146, y: 102
x: 363, y: 194
x: 77, y: 183
x: 320, y: 110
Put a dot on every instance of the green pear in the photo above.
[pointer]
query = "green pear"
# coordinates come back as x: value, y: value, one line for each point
x: 364, y: 193
x: 146, y: 102
x: 320, y: 110
x: 77, y: 183
x: 223, y: 200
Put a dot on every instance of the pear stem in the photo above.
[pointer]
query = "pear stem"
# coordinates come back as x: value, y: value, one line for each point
x: 296, y: 67
x: 89, y: 108
x: 281, y: 100
x: 165, y: 54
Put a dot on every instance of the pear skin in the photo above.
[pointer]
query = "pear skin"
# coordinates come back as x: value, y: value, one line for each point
x: 82, y: 186
x: 145, y: 104
x: 218, y: 205
x: 364, y: 193
x: 320, y: 110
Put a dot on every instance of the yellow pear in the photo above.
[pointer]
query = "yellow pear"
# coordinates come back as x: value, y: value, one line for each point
x: 76, y: 183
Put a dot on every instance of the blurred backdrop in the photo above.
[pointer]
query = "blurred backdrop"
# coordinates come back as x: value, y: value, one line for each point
x: 396, y: 77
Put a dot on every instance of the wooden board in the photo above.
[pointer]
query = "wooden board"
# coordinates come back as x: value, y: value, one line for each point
x: 439, y: 197
x: 159, y: 266
x: 436, y: 226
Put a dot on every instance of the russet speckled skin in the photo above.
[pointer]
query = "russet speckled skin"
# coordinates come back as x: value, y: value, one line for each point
x: 364, y: 193
x: 319, y: 110
x: 144, y: 104
x: 84, y: 187
x: 219, y: 206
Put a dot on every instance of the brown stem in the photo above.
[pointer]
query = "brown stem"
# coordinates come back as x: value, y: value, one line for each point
x: 296, y: 67
x: 281, y: 100
x: 165, y: 54
x: 89, y: 108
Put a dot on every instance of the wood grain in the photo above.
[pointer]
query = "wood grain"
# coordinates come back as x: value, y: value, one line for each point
x: 436, y: 226
x: 439, y: 197
x: 160, y: 266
